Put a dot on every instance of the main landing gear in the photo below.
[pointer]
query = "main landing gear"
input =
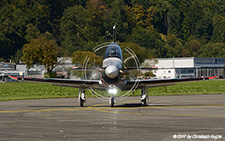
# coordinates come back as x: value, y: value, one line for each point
x: 144, y: 96
x: 81, y: 97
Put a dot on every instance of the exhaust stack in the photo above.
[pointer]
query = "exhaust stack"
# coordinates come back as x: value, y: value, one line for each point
x: 114, y: 33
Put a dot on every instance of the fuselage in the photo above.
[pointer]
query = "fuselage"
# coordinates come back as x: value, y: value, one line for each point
x: 112, y: 64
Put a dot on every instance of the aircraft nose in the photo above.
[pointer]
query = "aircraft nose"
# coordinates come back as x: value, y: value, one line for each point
x: 112, y: 72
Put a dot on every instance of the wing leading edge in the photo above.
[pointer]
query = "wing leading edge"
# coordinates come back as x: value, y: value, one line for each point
x: 95, y: 83
x: 62, y: 82
x: 160, y: 82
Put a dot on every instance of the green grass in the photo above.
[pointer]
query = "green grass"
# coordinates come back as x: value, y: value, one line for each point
x: 191, y: 88
x: 25, y: 90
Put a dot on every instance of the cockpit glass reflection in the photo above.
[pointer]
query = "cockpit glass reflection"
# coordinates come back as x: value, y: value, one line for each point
x: 113, y: 51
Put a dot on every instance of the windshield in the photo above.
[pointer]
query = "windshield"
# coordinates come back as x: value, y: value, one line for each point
x: 113, y: 50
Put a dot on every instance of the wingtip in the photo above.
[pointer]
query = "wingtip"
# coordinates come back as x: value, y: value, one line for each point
x: 14, y: 78
x: 214, y: 77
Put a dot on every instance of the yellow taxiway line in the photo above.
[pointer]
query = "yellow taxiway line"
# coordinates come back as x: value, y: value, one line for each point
x: 99, y: 108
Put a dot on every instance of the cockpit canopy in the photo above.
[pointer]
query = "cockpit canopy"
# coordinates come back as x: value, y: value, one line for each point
x: 113, y: 50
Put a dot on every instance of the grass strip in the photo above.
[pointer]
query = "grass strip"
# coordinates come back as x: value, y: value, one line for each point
x: 28, y: 90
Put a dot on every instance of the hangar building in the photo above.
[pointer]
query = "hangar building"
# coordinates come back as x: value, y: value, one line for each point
x: 187, y: 67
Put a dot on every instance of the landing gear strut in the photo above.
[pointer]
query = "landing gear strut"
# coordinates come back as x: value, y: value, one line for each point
x: 144, y: 96
x: 112, y: 90
x: 81, y: 97
x: 112, y: 101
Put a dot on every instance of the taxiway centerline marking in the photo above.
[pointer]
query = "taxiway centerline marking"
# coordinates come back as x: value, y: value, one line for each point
x: 109, y: 109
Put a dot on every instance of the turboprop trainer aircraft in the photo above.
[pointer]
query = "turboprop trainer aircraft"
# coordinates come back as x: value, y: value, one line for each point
x: 111, y: 78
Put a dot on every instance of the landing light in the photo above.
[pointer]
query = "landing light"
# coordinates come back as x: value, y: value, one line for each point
x: 112, y: 91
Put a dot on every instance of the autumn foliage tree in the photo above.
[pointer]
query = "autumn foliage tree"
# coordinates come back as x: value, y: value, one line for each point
x: 91, y: 58
x: 42, y: 51
x: 165, y: 28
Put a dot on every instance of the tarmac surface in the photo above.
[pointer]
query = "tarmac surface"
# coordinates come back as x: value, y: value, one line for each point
x: 192, y: 117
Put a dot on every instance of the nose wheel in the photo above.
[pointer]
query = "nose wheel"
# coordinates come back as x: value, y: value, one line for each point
x: 112, y: 101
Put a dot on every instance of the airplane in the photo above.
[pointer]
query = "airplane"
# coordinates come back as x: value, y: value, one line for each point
x: 111, y: 79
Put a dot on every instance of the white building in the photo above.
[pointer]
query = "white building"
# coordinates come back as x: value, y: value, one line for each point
x: 187, y: 67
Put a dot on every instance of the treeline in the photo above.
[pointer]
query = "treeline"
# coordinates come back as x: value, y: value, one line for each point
x: 165, y: 28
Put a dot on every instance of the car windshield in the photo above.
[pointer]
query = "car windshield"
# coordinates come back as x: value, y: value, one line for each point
x: 113, y: 50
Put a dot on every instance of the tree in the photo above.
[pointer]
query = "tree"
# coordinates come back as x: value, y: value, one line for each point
x: 40, y: 16
x: 42, y: 51
x: 173, y: 46
x: 80, y: 25
x: 31, y: 32
x: 219, y: 29
x: 17, y: 56
x: 149, y: 74
x: 146, y: 4
x: 213, y: 50
x: 12, y: 26
x: 138, y: 15
x: 151, y: 40
x: 150, y: 17
x: 137, y: 49
x: 118, y: 15
x: 96, y: 10
x: 73, y: 24
x: 198, y: 22
x: 192, y: 48
x: 141, y: 18
x: 171, y: 17
x: 186, y: 27
x: 79, y: 57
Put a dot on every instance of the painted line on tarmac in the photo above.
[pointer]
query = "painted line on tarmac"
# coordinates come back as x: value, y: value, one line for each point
x: 115, y: 110
x: 99, y: 108
x: 158, y: 114
x: 67, y: 109
x: 43, y: 110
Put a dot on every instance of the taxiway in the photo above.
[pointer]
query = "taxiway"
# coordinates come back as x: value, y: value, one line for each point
x: 166, y: 118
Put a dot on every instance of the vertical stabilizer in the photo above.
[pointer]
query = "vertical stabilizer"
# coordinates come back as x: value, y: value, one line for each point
x: 114, y: 33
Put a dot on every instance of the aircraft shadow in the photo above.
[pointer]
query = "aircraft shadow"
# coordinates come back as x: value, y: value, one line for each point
x: 107, y: 105
x: 126, y: 105
x: 130, y: 105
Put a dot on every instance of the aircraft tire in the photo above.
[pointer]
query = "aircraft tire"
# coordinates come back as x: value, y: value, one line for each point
x: 145, y: 102
x: 112, y: 102
x: 81, y: 102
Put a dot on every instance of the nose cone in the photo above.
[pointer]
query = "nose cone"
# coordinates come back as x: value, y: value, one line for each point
x: 112, y: 72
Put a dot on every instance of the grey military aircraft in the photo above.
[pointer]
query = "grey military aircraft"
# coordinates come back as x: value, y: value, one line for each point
x: 111, y: 78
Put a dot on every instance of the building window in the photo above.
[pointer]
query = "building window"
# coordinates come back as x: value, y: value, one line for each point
x: 183, y: 71
x: 187, y: 70
x: 190, y: 71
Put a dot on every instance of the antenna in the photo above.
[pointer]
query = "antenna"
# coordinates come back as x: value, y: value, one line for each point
x: 114, y: 33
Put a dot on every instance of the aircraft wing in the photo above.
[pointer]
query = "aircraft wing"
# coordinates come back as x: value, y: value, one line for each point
x: 89, y: 69
x: 63, y: 82
x: 142, y: 68
x: 160, y: 82
x: 140, y: 84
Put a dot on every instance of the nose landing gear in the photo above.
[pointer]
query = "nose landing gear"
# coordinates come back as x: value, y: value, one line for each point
x: 112, y: 101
